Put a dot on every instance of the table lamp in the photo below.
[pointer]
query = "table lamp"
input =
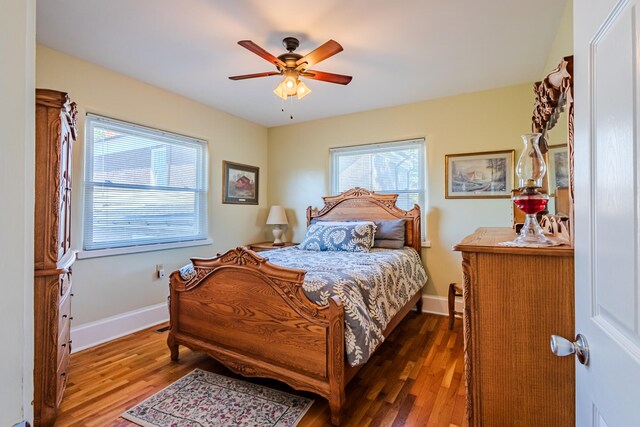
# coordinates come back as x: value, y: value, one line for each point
x: 277, y: 218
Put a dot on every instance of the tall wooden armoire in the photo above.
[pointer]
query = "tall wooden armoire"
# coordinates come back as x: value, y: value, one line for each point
x: 53, y: 257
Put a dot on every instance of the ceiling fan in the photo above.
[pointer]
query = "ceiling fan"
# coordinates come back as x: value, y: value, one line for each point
x: 293, y: 66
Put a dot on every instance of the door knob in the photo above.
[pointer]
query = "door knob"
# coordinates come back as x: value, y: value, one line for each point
x: 563, y: 347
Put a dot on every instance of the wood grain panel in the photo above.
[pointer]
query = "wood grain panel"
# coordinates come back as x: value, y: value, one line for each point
x: 255, y: 321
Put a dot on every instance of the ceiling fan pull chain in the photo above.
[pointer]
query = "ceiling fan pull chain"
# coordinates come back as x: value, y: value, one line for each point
x: 290, y: 100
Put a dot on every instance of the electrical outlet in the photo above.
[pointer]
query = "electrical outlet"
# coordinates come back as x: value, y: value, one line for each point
x: 160, y: 271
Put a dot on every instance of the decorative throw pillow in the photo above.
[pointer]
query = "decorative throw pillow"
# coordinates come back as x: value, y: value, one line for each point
x: 347, y: 222
x: 389, y: 234
x: 187, y: 272
x: 348, y: 236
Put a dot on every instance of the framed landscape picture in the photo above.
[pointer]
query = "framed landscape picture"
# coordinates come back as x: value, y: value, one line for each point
x: 479, y: 175
x: 558, y: 167
x: 240, y: 183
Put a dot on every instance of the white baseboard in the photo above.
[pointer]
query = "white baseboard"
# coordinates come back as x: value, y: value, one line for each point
x: 103, y: 330
x: 439, y: 305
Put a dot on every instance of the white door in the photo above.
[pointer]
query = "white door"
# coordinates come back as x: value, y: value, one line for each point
x: 607, y: 210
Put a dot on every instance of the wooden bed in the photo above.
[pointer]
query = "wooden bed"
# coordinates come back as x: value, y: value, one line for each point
x: 253, y: 316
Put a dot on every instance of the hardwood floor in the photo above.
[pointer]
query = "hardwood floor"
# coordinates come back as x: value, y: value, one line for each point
x: 414, y: 379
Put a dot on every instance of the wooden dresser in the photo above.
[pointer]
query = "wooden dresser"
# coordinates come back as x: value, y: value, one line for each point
x: 514, y: 300
x: 53, y: 256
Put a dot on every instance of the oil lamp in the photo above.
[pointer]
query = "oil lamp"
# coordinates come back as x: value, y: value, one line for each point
x: 530, y: 170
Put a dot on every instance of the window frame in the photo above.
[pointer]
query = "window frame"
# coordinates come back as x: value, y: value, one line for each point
x: 200, y: 191
x: 334, y: 154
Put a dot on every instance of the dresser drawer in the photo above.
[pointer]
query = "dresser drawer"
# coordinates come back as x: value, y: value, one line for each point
x: 65, y: 282
x: 62, y: 378
x: 64, y: 344
x: 64, y: 313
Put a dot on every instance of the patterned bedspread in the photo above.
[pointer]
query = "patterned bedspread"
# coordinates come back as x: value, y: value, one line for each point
x: 372, y: 286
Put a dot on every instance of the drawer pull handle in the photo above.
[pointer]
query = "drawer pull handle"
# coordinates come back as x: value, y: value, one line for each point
x: 64, y: 374
x: 64, y: 316
x: 63, y: 345
x: 71, y: 318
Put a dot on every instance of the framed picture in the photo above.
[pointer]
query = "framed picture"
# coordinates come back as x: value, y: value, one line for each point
x: 240, y: 183
x: 479, y: 175
x: 558, y: 167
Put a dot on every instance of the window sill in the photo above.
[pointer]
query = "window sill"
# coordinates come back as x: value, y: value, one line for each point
x: 144, y: 248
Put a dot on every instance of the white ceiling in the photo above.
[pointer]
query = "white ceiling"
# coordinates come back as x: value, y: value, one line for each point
x: 398, y: 52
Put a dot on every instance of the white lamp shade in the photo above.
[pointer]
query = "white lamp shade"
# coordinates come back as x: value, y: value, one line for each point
x: 280, y: 91
x: 277, y: 215
x: 303, y: 90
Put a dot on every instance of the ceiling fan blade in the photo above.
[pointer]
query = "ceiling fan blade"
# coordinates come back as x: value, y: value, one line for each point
x: 252, y: 76
x: 248, y: 44
x: 340, y: 79
x: 323, y: 52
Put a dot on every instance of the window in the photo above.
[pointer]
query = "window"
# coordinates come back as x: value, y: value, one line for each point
x: 390, y: 167
x: 142, y: 186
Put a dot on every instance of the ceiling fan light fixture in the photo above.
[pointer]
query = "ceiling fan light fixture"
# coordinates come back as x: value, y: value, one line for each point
x: 303, y: 90
x: 293, y: 65
x: 280, y: 91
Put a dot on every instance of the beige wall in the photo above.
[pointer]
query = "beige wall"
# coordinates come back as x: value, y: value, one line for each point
x: 562, y: 46
x: 17, y: 50
x: 482, y: 121
x: 563, y: 42
x: 113, y: 285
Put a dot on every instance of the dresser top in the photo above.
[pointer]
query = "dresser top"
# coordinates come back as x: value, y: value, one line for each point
x: 486, y: 240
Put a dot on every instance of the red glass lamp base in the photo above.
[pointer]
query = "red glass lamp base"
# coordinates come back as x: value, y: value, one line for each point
x: 530, y: 201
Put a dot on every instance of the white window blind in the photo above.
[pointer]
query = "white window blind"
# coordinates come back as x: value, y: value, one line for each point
x: 390, y: 167
x: 142, y: 186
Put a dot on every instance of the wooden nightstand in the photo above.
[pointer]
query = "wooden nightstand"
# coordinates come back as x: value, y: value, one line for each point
x: 267, y: 246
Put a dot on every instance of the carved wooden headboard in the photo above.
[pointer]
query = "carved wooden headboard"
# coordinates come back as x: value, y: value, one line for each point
x: 359, y: 203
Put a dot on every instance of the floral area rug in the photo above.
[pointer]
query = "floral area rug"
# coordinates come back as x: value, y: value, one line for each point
x: 206, y: 399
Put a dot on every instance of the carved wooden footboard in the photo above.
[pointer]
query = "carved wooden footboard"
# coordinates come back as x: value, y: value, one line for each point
x: 254, y: 317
